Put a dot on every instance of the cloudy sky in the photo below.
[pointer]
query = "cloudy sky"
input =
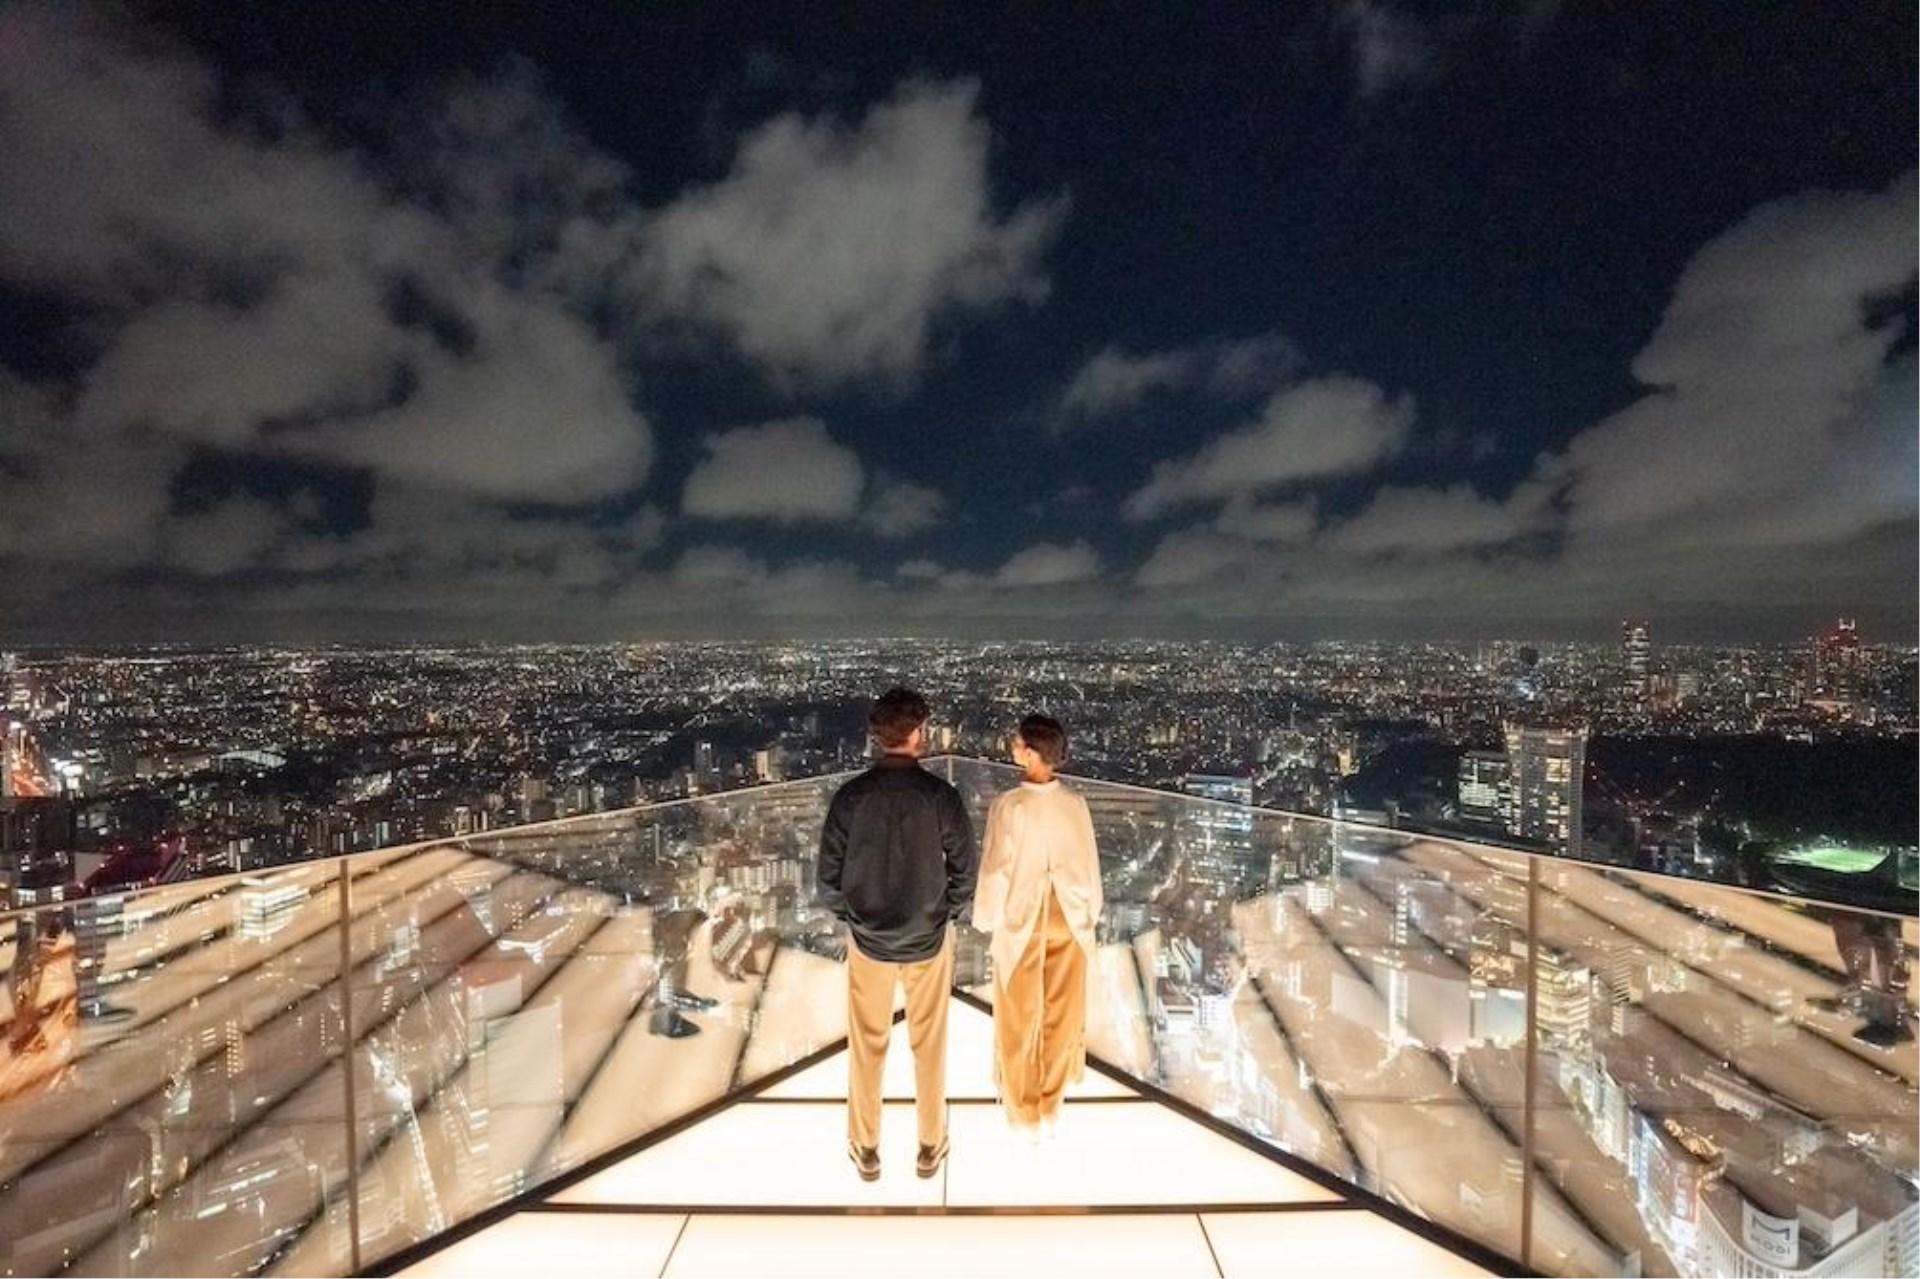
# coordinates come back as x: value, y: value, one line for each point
x: 1356, y: 319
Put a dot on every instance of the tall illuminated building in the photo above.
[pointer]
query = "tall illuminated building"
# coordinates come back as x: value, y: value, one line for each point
x: 1485, y: 778
x: 1837, y: 662
x: 1547, y: 768
x: 1635, y: 649
x: 1220, y: 847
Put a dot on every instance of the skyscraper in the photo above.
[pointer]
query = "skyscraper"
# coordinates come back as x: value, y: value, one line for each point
x: 1836, y: 663
x: 1485, y: 778
x: 1635, y: 648
x: 1547, y: 769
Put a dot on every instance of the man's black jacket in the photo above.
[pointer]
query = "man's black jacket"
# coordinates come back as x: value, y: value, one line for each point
x: 897, y: 860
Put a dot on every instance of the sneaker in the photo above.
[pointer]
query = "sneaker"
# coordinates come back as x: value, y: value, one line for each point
x: 866, y: 1161
x: 1845, y: 999
x: 691, y: 1002
x: 101, y: 1010
x: 669, y: 1024
x: 1882, y: 1035
x: 930, y: 1159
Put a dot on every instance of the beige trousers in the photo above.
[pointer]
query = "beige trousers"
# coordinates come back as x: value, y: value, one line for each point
x: 1040, y: 1022
x: 870, y: 984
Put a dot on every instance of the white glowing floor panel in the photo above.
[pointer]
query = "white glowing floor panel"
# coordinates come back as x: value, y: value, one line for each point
x: 1169, y: 1244
x: 787, y: 1154
x: 536, y: 1243
x: 1111, y: 1153
x: 969, y: 1066
x: 1336, y: 1245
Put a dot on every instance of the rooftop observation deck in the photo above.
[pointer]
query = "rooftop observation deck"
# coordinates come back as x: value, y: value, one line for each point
x: 615, y: 1042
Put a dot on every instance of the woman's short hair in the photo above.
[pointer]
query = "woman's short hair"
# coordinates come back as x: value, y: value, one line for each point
x: 1045, y: 737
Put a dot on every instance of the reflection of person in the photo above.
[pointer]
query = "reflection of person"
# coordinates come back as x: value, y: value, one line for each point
x: 673, y: 932
x: 1875, y: 957
x: 897, y: 865
x: 1040, y: 898
x: 40, y: 1038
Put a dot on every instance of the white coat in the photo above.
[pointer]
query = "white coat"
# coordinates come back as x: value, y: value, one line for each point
x: 1039, y: 836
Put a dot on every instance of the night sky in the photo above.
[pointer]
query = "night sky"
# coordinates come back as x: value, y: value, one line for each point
x: 1277, y: 321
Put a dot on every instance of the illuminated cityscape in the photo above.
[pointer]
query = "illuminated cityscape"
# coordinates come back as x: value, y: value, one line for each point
x: 130, y: 767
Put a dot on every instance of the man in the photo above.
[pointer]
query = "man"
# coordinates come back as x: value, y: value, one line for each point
x: 897, y: 865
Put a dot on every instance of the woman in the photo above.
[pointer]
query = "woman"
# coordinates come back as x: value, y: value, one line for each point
x: 1039, y: 895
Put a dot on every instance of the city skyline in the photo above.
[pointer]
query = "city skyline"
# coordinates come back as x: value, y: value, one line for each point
x: 1358, y: 320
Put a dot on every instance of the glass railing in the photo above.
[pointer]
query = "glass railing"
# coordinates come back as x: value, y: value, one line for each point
x: 1591, y: 1072
x: 188, y: 1087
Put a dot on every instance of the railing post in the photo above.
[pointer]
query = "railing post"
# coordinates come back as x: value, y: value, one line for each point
x: 1532, y: 1066
x: 348, y: 1053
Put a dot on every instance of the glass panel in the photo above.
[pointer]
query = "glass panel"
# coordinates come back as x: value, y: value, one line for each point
x: 1725, y: 1081
x: 1747, y: 1068
x: 1350, y: 996
x: 563, y: 989
x: 154, y: 1043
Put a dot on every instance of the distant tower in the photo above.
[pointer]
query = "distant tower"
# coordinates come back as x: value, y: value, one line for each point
x: 1485, y: 780
x: 1836, y: 662
x: 1547, y: 770
x: 1635, y: 649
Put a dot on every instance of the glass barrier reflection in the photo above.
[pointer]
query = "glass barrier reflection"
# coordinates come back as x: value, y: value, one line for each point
x: 1594, y: 1071
x: 1722, y: 1082
x: 596, y: 979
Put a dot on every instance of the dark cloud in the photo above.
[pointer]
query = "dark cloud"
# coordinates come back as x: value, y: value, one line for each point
x: 444, y: 372
x: 1326, y: 427
x: 1114, y: 380
x: 1390, y: 48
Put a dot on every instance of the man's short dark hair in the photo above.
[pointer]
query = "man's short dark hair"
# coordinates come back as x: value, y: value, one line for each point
x: 1045, y: 737
x: 895, y: 715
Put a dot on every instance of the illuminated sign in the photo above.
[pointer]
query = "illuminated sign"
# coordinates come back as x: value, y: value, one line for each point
x: 1771, y: 1239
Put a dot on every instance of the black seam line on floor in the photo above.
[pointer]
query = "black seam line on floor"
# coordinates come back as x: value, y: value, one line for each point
x: 1202, y: 1223
x: 951, y: 1101
x: 402, y: 1258
x: 678, y: 1235
x: 935, y: 1210
x: 1473, y: 1250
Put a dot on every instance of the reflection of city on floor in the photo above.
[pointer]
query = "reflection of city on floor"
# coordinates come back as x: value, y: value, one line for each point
x: 42, y: 1010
